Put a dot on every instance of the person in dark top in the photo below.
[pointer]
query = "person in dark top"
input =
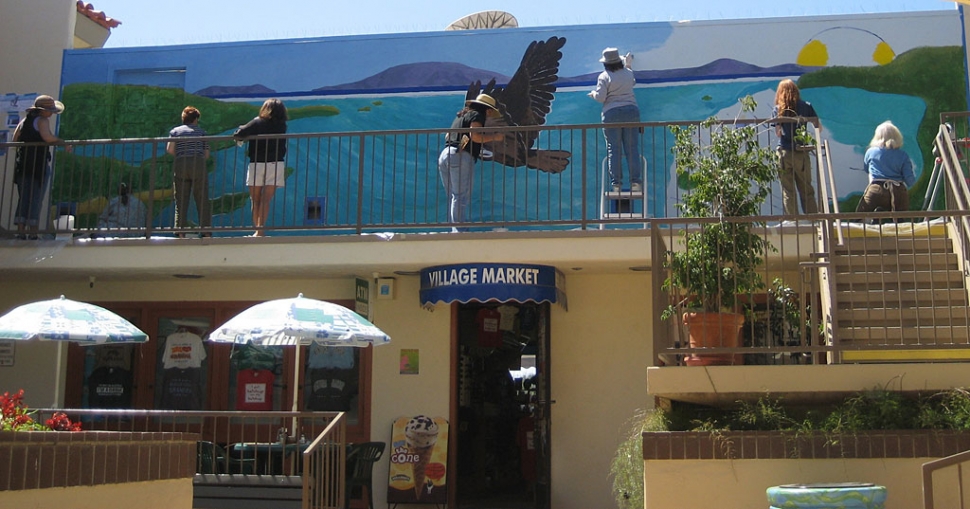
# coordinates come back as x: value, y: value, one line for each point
x: 267, y: 158
x: 456, y: 164
x: 32, y: 171
x: 191, y: 177
x: 795, y: 170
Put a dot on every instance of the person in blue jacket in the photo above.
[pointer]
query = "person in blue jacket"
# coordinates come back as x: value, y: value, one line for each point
x: 890, y: 172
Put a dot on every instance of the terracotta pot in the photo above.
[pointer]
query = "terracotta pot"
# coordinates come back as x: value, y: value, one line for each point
x: 714, y: 330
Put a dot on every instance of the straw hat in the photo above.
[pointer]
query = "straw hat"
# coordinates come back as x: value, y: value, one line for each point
x: 47, y: 103
x: 611, y: 56
x: 484, y: 100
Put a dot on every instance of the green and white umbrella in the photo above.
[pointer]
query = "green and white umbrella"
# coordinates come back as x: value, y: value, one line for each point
x: 64, y: 320
x: 300, y: 322
x: 68, y: 320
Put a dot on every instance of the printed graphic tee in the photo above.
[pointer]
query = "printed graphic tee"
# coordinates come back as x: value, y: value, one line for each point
x: 254, y: 389
x: 183, y: 350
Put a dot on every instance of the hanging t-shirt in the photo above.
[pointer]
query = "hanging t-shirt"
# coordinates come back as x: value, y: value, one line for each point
x: 109, y: 388
x: 489, y: 334
x: 254, y: 389
x: 331, y: 389
x: 183, y: 350
x: 113, y: 356
x: 182, y: 389
x: 330, y: 357
x: 508, y: 312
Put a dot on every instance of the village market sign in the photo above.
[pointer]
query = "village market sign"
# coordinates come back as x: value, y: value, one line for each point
x: 502, y: 282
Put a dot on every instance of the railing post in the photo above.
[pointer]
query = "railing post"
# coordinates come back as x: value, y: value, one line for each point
x: 584, y: 220
x: 151, y: 189
x: 360, y: 185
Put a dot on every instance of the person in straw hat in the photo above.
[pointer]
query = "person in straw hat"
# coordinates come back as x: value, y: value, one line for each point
x: 614, y: 89
x: 456, y: 164
x: 32, y: 169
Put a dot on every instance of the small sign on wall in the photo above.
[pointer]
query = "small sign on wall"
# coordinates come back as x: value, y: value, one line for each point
x: 410, y: 361
x: 6, y: 352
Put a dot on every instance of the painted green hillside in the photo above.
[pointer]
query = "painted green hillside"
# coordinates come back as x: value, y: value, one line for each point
x: 102, y: 111
x: 936, y: 75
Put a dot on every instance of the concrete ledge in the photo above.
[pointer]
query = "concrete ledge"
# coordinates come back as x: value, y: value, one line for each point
x: 714, y: 385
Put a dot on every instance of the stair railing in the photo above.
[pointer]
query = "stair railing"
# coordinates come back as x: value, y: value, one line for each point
x: 930, y: 467
x: 324, y: 472
x: 957, y: 198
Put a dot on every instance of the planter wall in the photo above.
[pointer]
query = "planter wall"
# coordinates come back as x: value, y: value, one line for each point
x: 733, y: 469
x: 35, y: 460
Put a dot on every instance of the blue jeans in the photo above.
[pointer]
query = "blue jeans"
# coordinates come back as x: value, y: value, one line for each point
x: 31, y: 200
x: 457, y: 169
x: 622, y: 141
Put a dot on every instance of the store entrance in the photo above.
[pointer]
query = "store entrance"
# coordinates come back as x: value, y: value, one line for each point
x: 501, y: 432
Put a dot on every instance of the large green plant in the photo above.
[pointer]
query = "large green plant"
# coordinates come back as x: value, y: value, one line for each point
x: 728, y: 176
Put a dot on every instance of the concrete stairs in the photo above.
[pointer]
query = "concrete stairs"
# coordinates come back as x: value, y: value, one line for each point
x: 900, y: 291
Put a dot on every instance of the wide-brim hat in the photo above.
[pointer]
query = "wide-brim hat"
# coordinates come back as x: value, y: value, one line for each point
x: 485, y: 100
x: 47, y: 103
x: 611, y: 56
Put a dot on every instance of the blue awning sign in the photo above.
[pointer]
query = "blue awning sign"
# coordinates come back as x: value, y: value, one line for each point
x: 482, y: 282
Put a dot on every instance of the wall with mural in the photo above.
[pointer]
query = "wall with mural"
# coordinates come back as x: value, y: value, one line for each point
x: 857, y: 71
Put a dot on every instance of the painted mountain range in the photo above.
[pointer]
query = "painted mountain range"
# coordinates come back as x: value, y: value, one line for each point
x: 439, y: 76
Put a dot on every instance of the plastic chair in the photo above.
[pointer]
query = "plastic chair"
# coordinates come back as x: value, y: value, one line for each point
x: 360, y: 467
x: 212, y: 459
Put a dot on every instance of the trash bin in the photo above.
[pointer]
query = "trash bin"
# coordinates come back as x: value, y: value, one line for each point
x: 847, y: 495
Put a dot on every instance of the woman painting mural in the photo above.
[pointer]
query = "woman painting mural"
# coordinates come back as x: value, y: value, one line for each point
x: 267, y: 158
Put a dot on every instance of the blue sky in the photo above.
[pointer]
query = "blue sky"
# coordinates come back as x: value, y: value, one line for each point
x: 201, y: 21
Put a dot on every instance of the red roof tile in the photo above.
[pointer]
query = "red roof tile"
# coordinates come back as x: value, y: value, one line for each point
x: 87, y: 9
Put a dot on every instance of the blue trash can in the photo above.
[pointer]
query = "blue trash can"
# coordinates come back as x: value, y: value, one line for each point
x: 848, y: 495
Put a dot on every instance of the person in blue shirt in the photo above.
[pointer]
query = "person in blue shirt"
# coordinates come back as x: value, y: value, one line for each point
x: 795, y: 172
x: 890, y: 172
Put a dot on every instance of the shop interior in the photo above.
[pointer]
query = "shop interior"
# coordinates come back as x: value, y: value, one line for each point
x: 496, y: 405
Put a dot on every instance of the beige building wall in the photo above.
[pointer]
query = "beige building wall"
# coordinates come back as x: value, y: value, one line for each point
x: 170, y: 494
x: 598, y: 355
x: 34, y: 34
x: 741, y: 484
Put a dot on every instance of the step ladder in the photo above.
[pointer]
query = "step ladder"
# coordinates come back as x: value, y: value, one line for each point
x: 624, y: 204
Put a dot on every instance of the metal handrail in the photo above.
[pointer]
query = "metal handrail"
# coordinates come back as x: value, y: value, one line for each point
x: 932, y: 466
x: 324, y: 471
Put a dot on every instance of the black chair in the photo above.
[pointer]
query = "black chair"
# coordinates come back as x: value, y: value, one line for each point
x: 360, y: 468
x: 212, y: 459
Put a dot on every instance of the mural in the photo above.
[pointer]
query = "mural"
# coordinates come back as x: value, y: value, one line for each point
x: 856, y: 70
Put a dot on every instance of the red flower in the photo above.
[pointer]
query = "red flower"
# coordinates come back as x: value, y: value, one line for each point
x: 16, y: 417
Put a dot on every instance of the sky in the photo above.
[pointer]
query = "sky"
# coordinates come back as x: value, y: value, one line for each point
x: 174, y: 22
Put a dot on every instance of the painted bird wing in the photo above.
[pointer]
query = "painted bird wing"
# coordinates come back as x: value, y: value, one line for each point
x: 526, y: 101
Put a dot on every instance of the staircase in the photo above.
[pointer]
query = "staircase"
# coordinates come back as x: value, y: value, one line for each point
x: 894, y: 291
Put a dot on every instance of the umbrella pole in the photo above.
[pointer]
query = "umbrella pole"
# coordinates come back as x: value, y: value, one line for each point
x: 57, y: 375
x: 296, y: 390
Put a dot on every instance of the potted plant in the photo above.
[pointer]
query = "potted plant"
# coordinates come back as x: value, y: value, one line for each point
x: 726, y: 178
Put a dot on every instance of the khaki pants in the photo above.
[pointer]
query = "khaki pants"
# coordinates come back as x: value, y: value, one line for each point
x: 795, y: 173
x: 191, y: 180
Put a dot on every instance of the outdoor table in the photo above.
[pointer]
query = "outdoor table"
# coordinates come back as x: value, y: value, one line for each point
x: 273, y: 458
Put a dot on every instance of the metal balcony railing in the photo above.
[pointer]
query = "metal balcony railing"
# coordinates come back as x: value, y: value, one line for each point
x: 355, y: 182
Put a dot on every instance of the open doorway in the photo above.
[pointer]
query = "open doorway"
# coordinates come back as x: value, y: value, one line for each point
x: 501, y: 352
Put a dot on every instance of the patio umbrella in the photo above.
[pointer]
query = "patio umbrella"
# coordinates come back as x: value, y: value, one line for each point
x: 67, y: 320
x: 299, y: 321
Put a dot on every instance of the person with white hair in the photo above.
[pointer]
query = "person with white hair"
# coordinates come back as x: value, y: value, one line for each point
x: 890, y: 172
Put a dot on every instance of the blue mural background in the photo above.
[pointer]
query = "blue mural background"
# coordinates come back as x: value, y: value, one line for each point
x: 417, y: 81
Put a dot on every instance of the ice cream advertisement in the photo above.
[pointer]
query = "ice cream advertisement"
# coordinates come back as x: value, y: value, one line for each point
x: 419, y: 461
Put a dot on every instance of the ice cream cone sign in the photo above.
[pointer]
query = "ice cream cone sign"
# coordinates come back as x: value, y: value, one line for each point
x: 418, y: 463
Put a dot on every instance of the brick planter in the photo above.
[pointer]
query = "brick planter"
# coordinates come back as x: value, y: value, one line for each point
x: 49, y: 459
x: 739, y: 445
